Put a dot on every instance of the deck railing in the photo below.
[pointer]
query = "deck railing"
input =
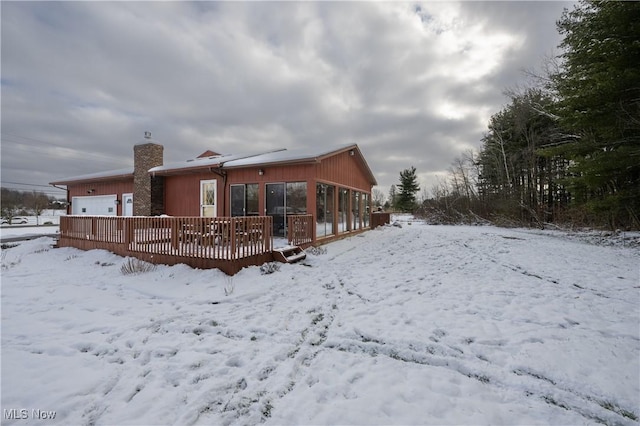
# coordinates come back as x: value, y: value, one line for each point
x: 209, y: 239
x: 380, y: 219
x: 300, y: 230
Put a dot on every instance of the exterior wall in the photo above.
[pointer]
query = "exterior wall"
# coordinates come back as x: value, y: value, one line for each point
x: 272, y: 174
x: 182, y: 193
x: 145, y: 157
x: 344, y: 170
x: 100, y: 188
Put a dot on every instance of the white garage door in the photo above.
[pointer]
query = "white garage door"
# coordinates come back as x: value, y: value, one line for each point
x: 99, y: 205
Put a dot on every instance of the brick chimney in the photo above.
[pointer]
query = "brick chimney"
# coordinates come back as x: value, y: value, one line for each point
x: 146, y: 155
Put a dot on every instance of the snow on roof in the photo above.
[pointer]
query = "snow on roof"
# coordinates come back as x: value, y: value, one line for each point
x: 285, y: 155
x: 225, y: 161
x: 96, y: 176
x: 212, y: 161
x: 229, y: 160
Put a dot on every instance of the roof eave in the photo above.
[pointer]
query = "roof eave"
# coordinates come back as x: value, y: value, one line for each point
x: 79, y: 181
x: 184, y: 170
x: 297, y: 161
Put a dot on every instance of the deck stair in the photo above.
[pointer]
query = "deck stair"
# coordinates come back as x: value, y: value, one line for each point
x: 289, y: 254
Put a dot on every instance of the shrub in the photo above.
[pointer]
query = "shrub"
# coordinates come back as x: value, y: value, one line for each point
x: 136, y: 266
x: 269, y: 268
x: 229, y: 286
x: 316, y: 251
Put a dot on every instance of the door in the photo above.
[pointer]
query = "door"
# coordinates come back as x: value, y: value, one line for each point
x: 127, y: 204
x: 208, y: 200
x: 275, y: 203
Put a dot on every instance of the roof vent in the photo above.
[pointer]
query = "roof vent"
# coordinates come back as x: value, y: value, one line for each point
x: 147, y: 135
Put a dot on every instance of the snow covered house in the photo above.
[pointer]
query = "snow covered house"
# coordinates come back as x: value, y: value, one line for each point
x: 332, y: 185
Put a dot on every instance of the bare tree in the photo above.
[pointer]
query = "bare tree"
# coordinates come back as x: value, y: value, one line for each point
x: 378, y: 197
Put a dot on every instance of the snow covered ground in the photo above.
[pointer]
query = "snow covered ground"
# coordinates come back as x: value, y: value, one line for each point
x: 28, y: 231
x: 413, y: 325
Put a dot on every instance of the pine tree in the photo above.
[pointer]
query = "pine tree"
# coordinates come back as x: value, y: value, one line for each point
x: 408, y: 188
x: 517, y: 174
x: 598, y: 87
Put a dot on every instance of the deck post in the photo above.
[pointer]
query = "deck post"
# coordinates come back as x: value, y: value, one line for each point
x: 233, y: 234
x: 126, y: 237
x: 174, y: 234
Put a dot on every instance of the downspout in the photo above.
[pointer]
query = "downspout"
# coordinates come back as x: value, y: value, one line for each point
x: 222, y: 173
x: 68, y: 200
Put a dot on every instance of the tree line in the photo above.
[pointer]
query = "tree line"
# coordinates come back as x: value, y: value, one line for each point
x: 566, y: 149
x: 15, y: 203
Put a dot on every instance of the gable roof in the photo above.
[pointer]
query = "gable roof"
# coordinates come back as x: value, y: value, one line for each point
x: 300, y: 156
x: 208, y: 153
x: 195, y: 164
x: 229, y: 161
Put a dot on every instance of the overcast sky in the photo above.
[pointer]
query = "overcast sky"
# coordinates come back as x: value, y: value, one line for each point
x: 412, y: 83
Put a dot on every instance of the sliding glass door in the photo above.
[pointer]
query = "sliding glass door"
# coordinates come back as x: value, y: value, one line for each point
x: 275, y: 204
x: 244, y: 200
x: 285, y: 199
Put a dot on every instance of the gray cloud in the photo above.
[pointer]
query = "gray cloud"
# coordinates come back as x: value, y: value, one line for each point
x: 412, y: 84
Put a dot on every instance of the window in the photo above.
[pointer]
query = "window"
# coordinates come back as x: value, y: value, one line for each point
x: 355, y: 210
x: 296, y: 198
x: 324, y: 210
x: 244, y: 200
x: 365, y: 210
x: 252, y: 191
x: 284, y: 199
x: 343, y: 210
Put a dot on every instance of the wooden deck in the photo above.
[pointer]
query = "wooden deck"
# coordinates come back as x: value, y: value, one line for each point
x: 226, y: 243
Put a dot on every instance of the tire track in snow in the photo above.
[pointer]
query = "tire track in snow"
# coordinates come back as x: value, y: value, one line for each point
x: 593, y: 407
x: 530, y: 384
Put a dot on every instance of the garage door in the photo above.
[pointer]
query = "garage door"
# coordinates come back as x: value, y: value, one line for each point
x: 99, y: 205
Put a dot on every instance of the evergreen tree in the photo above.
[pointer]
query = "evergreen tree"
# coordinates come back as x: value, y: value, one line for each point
x: 516, y: 173
x: 408, y: 188
x: 598, y: 88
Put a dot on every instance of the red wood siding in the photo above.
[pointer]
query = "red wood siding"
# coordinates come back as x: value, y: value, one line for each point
x: 101, y: 188
x: 344, y: 170
x: 291, y: 173
x: 182, y: 194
